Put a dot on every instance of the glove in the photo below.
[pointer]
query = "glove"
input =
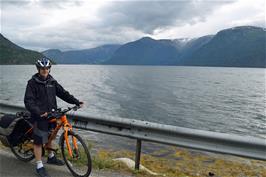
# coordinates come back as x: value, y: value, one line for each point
x: 80, y: 103
x: 44, y: 114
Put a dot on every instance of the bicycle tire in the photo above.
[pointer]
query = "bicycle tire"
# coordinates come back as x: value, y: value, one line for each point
x: 62, y: 145
x: 18, y: 156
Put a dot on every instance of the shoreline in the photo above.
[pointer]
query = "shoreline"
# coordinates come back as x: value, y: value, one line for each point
x: 171, y: 160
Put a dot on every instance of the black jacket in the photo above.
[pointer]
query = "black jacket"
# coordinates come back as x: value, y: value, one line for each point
x: 40, y: 95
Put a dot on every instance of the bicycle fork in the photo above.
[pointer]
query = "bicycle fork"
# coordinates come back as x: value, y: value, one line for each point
x: 68, y: 127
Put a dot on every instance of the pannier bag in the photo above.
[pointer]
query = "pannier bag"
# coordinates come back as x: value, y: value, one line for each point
x: 13, y: 127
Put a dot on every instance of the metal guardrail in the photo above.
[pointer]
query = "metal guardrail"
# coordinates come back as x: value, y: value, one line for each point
x: 250, y: 147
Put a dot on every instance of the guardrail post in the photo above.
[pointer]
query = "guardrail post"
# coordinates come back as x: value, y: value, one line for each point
x: 137, y: 155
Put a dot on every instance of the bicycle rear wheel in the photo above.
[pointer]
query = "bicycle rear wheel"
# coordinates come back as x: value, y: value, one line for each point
x: 79, y: 163
x: 23, y: 151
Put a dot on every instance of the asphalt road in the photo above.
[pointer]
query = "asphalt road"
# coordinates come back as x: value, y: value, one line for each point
x: 12, y: 167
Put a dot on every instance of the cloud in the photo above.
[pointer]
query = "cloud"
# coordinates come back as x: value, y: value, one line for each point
x: 42, y: 24
x: 5, y: 3
x: 44, y: 3
x: 238, y: 13
x: 148, y: 16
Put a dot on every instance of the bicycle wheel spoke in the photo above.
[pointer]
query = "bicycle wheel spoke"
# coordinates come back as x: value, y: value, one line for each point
x: 79, y: 163
x: 22, y: 153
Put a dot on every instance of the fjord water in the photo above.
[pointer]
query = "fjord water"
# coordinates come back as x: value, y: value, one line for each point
x: 229, y: 100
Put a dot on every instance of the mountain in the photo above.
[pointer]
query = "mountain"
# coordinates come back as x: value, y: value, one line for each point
x: 239, y: 47
x: 192, y: 45
x: 145, y: 51
x: 53, y: 53
x: 243, y: 46
x: 148, y: 51
x: 14, y: 54
x: 236, y: 47
x: 88, y: 56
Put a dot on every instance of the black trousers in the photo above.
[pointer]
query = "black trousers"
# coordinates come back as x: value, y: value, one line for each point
x: 41, y: 129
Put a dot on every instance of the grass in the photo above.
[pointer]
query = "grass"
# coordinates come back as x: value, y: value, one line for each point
x: 188, y: 163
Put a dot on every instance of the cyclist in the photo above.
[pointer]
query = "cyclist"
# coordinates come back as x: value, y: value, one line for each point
x: 40, y: 98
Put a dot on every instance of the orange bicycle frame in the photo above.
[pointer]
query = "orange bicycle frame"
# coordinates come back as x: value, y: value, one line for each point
x: 63, y: 122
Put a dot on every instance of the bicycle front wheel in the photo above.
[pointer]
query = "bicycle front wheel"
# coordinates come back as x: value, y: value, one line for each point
x: 79, y: 163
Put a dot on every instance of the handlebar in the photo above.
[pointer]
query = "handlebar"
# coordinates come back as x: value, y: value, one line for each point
x: 59, y: 112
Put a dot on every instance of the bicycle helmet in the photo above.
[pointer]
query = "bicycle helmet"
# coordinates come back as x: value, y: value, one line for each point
x: 43, y: 63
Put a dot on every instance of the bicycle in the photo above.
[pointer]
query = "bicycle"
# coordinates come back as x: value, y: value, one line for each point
x: 74, y: 150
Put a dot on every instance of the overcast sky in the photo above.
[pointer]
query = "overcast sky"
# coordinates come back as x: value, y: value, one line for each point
x: 72, y: 24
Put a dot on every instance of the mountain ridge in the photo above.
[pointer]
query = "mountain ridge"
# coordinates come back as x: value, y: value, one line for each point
x: 241, y: 46
x: 84, y: 56
x: 14, y: 54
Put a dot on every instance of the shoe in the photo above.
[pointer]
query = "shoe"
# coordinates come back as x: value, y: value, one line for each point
x: 55, y: 161
x: 41, y: 172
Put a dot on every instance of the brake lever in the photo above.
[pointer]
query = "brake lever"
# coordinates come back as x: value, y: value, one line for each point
x: 49, y: 116
x: 60, y: 112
